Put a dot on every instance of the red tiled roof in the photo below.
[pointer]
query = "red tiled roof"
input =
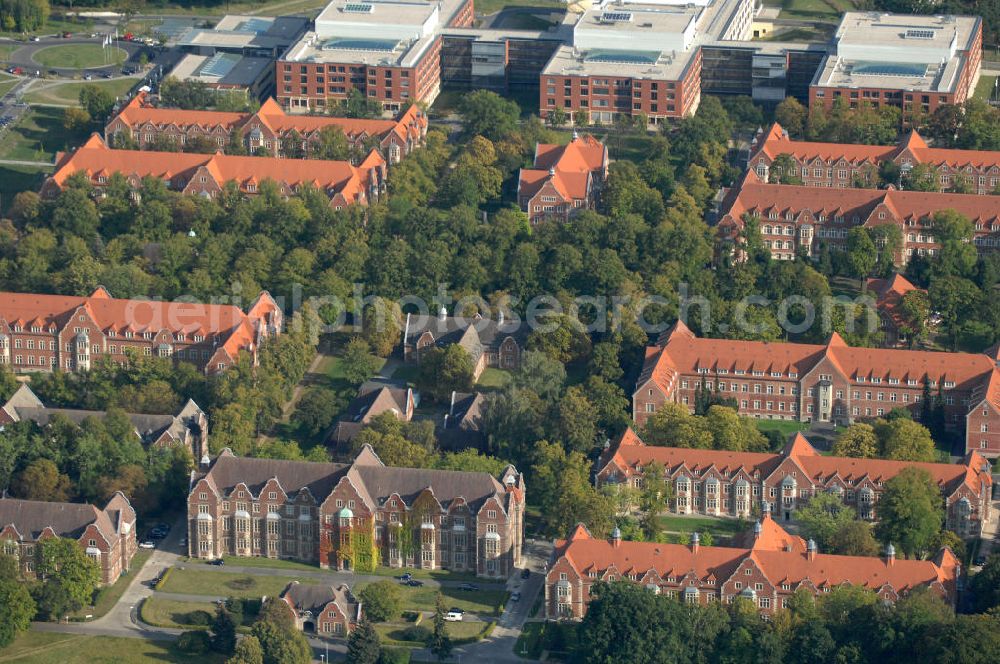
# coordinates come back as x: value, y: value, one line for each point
x: 889, y: 295
x: 779, y: 566
x: 95, y: 157
x: 775, y: 142
x: 568, y: 167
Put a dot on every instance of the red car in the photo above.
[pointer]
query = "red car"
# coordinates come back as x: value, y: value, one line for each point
x: 67, y: 35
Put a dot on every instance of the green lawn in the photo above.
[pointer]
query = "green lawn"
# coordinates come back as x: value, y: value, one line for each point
x: 68, y: 94
x: 15, y: 179
x: 527, y: 21
x: 984, y: 89
x: 824, y: 10
x: 269, y: 563
x: 108, y: 596
x: 79, y: 56
x: 482, y: 602
x: 493, y: 379
x: 787, y: 427
x: 38, y: 136
x: 6, y: 83
x: 436, y: 574
x: 161, y: 612
x: 395, y: 633
x: 406, y: 372
x: 689, y: 524
x: 192, y: 581
x: 53, y: 648
x: 6, y: 50
x: 486, y: 7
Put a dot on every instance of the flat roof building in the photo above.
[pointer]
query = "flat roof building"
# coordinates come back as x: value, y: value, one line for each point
x: 228, y: 72
x: 915, y: 62
x: 253, y: 36
x: 389, y: 50
x: 639, y: 58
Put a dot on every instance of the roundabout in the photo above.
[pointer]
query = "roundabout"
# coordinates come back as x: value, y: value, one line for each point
x: 79, y: 56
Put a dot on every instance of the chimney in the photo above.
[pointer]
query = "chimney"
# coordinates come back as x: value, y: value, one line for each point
x: 500, y: 318
x: 756, y: 531
x: 451, y: 408
x: 765, y: 511
x: 442, y: 313
x: 695, y: 542
x: 616, y: 537
x: 575, y: 134
x: 552, y: 170
x: 890, y: 555
x: 811, y: 549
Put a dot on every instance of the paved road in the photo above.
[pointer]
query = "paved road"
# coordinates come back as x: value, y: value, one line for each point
x: 18, y: 162
x: 123, y: 619
x: 24, y: 56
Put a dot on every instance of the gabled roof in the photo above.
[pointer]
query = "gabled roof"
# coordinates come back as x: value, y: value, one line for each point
x: 314, y: 598
x: 374, y: 480
x: 631, y: 453
x: 96, y: 157
x: 889, y: 295
x: 568, y: 168
x: 31, y: 517
x: 587, y: 554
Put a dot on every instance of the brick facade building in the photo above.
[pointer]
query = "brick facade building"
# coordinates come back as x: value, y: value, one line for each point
x: 889, y: 294
x: 326, y: 611
x: 823, y: 383
x: 801, y: 220
x: 42, y: 332
x: 146, y: 124
x: 564, y: 180
x: 737, y: 484
x: 767, y: 573
x: 359, y: 515
x: 188, y: 428
x: 844, y: 165
x: 107, y: 536
x: 489, y: 343
x: 207, y: 174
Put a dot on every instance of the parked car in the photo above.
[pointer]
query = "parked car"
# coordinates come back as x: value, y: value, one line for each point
x: 184, y: 542
x: 106, y: 74
x: 67, y: 35
x: 88, y: 77
x: 454, y: 615
x: 218, y: 562
x: 515, y: 596
x: 148, y: 544
x: 979, y: 561
x: 468, y: 587
x: 156, y: 534
x: 405, y: 577
x: 413, y: 583
x: 36, y: 38
x: 525, y: 573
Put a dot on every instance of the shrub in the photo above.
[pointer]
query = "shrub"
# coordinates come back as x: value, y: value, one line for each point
x: 394, y: 656
x: 245, y: 583
x: 382, y: 601
x: 194, y: 642
x: 415, y: 633
x: 163, y: 579
x: 199, y: 618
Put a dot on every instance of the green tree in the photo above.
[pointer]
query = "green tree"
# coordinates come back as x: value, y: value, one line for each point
x: 781, y: 171
x: 363, y: 643
x: 561, y: 484
x: 576, y: 420
x: 97, y: 102
x: 915, y: 308
x: 910, y: 512
x: 330, y: 144
x: 858, y: 440
x: 62, y: 562
x: 383, y: 601
x: 485, y: 113
x: 985, y: 585
x: 381, y: 326
x: 791, y: 115
x: 223, y: 632
x: 76, y: 119
x: 905, y: 440
x: 440, y: 642
x: 17, y: 607
x: 861, y: 252
x: 280, y: 642
x: 445, y: 370
x: 41, y: 480
x: 541, y: 374
x: 854, y: 538
x: 316, y: 410
x: 248, y: 651
x: 922, y: 177
x: 823, y: 517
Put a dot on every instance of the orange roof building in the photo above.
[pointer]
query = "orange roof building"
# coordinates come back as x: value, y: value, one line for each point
x: 842, y: 165
x: 798, y: 219
x: 889, y: 295
x: 733, y: 484
x: 207, y: 174
x: 565, y: 179
x: 148, y: 125
x: 830, y: 382
x: 45, y: 332
x: 767, y: 572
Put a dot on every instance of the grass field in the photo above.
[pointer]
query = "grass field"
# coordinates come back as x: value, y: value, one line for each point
x: 486, y: 7
x: 482, y: 602
x: 68, y: 94
x: 493, y: 379
x: 6, y: 50
x: 787, y: 427
x: 985, y: 87
x: 266, y: 563
x: 15, y: 179
x: 51, y: 648
x: 823, y: 10
x: 79, y: 56
x: 701, y: 524
x: 6, y: 83
x: 161, y: 612
x: 191, y: 581
x: 38, y: 136
x: 395, y: 633
x: 436, y: 574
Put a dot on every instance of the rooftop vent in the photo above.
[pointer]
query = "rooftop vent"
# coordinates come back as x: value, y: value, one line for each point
x: 913, y: 33
x: 359, y: 8
x: 616, y: 17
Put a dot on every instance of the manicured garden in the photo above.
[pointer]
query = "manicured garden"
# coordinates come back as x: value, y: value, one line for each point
x: 38, y: 136
x: 690, y: 524
x: 161, y: 612
x: 68, y: 94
